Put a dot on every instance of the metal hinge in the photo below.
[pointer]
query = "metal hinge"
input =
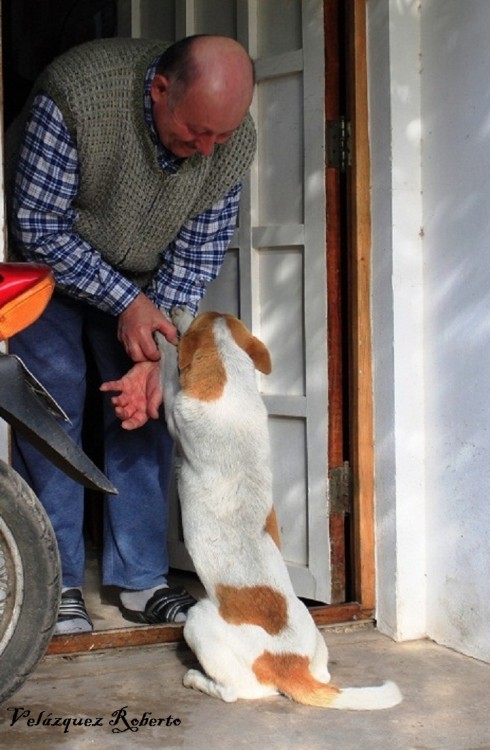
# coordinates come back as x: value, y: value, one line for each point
x: 340, y: 486
x: 338, y: 144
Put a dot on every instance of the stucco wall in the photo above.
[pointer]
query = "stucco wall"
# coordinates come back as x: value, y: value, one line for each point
x: 456, y: 207
x: 429, y: 62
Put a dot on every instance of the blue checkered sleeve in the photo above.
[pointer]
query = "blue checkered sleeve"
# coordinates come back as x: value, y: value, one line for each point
x: 46, y: 184
x: 195, y: 257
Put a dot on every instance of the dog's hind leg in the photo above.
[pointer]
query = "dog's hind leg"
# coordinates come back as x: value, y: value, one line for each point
x: 223, y: 655
x: 197, y: 680
x: 202, y: 634
x: 319, y: 661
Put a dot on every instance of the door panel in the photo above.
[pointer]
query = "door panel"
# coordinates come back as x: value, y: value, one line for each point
x: 274, y: 275
x: 280, y: 153
x: 288, y: 284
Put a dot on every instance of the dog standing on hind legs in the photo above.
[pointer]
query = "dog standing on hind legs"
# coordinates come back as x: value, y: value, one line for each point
x: 251, y: 634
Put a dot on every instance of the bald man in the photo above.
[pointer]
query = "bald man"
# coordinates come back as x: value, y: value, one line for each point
x: 128, y: 161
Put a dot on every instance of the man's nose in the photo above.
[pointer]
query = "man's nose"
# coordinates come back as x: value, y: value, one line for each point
x: 205, y: 144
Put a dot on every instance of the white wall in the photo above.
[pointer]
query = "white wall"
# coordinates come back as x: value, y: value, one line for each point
x: 456, y: 184
x: 431, y: 317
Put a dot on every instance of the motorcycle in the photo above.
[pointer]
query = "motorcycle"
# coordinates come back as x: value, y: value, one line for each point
x: 30, y: 571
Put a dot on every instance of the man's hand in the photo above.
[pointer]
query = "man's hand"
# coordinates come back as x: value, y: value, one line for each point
x: 138, y: 323
x: 140, y: 395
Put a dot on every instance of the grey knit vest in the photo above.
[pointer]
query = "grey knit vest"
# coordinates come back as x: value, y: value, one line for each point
x: 128, y: 208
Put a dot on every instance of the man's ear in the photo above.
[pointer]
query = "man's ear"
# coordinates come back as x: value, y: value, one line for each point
x: 159, y: 87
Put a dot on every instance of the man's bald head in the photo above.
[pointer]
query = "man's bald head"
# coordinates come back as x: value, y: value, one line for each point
x: 202, y: 91
x: 219, y: 60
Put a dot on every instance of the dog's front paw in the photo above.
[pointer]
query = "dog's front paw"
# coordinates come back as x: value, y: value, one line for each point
x: 182, y: 318
x: 163, y: 345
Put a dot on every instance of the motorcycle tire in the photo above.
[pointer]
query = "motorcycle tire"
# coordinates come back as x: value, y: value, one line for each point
x: 30, y: 581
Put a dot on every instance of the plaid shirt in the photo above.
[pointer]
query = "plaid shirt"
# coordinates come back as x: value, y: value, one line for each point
x: 43, y: 216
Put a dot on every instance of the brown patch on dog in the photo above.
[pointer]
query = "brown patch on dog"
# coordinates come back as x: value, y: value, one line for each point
x: 272, y: 528
x: 202, y: 373
x: 253, y: 605
x: 290, y: 674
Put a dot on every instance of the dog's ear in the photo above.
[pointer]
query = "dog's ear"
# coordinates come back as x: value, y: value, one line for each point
x: 189, y: 344
x: 259, y: 354
x: 256, y: 350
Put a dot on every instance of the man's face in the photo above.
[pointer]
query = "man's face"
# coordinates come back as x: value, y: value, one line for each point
x: 194, y: 122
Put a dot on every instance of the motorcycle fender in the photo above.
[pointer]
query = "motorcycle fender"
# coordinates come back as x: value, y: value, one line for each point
x: 30, y: 409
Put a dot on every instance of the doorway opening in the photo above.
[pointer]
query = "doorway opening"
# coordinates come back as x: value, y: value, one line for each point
x: 347, y: 271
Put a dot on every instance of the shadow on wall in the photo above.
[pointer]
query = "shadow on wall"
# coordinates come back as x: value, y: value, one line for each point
x: 456, y: 154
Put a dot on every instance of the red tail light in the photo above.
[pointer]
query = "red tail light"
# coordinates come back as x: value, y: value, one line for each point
x: 25, y: 290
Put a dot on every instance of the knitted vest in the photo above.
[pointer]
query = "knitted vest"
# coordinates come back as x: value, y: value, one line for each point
x: 127, y: 206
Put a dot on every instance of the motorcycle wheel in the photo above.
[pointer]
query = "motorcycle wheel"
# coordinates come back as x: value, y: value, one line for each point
x: 30, y: 581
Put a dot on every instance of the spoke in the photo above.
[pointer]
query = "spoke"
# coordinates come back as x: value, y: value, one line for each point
x: 11, y: 585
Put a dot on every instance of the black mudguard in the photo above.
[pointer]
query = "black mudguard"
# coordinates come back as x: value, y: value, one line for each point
x: 28, y: 408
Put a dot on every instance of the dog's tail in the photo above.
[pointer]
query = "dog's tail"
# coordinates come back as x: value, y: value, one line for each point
x: 353, y: 699
x: 291, y: 676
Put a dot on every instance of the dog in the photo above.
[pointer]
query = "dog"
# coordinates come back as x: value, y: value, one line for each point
x: 251, y: 634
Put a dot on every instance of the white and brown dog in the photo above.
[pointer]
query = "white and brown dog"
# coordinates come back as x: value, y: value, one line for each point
x: 252, y: 636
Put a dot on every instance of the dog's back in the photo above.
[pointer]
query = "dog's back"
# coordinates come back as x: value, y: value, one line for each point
x: 225, y: 482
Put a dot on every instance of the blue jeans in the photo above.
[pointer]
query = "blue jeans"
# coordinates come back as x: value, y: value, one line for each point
x: 137, y: 462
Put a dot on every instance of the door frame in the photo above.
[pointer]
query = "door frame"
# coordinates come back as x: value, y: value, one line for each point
x: 359, y: 284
